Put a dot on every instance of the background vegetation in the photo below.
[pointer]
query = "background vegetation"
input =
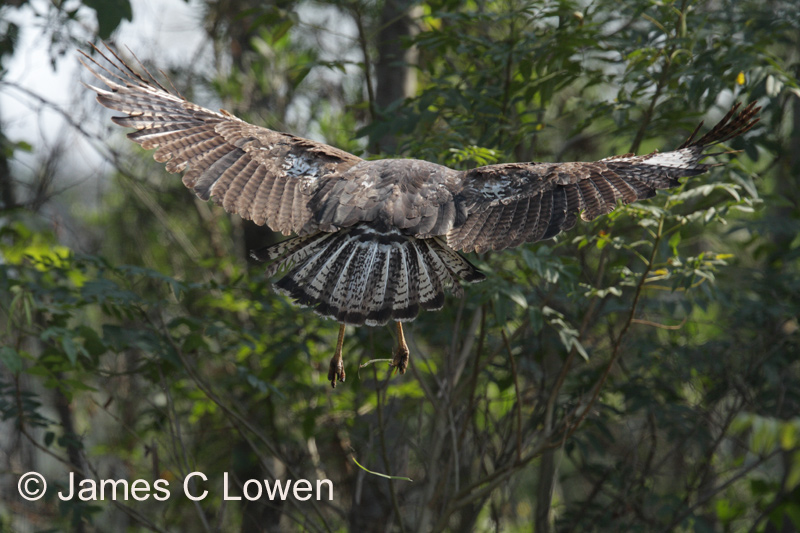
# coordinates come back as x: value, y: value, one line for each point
x: 639, y: 373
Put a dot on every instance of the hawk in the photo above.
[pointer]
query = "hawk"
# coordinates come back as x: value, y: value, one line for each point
x: 377, y: 241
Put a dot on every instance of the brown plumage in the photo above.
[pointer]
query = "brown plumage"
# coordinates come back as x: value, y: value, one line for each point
x: 377, y: 240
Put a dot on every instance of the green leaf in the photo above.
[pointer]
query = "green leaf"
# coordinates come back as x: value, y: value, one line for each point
x: 110, y: 14
x: 516, y: 296
x: 11, y: 359
x: 674, y: 241
x: 92, y: 343
x: 70, y: 349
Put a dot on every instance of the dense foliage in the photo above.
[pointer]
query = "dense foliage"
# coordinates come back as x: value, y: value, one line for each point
x: 639, y: 373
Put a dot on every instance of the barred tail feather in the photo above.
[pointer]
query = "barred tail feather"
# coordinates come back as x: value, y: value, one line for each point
x: 282, y: 254
x: 360, y: 275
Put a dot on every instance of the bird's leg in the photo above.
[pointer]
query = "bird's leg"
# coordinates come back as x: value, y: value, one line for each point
x: 336, y: 368
x: 400, y: 359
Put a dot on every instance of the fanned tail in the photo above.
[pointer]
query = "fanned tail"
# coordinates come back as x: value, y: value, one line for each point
x: 363, y: 276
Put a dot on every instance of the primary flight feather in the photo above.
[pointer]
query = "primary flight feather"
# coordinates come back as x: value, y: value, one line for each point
x: 376, y: 241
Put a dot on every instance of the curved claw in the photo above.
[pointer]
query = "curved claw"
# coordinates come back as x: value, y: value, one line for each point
x: 400, y: 359
x: 336, y: 370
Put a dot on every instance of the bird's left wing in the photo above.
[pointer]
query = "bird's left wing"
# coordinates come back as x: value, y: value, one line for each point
x: 262, y: 175
x: 513, y: 203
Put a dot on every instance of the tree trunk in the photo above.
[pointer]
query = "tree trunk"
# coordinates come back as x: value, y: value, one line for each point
x: 395, y: 77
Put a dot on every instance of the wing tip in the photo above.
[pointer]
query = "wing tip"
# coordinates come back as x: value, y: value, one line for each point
x: 733, y: 124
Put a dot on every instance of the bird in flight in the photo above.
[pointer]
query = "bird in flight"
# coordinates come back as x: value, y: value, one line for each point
x: 377, y: 241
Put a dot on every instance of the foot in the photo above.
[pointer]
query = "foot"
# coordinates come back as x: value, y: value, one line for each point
x: 336, y: 370
x: 400, y: 359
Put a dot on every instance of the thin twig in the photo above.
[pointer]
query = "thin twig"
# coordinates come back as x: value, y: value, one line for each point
x: 703, y: 500
x: 660, y: 326
x: 625, y: 327
x: 179, y: 446
x: 362, y: 41
x: 384, y: 454
x: 239, y: 421
x: 518, y: 406
x: 367, y: 363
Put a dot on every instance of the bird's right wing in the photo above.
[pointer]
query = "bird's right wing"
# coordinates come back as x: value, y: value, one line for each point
x: 262, y: 175
x: 509, y: 204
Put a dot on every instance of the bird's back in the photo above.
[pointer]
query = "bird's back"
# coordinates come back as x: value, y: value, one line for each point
x: 413, y: 196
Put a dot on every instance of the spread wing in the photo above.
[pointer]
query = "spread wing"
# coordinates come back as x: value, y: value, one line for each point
x: 513, y: 203
x: 261, y: 175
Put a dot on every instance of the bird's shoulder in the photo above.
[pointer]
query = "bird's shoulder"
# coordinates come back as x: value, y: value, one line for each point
x: 386, y: 178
